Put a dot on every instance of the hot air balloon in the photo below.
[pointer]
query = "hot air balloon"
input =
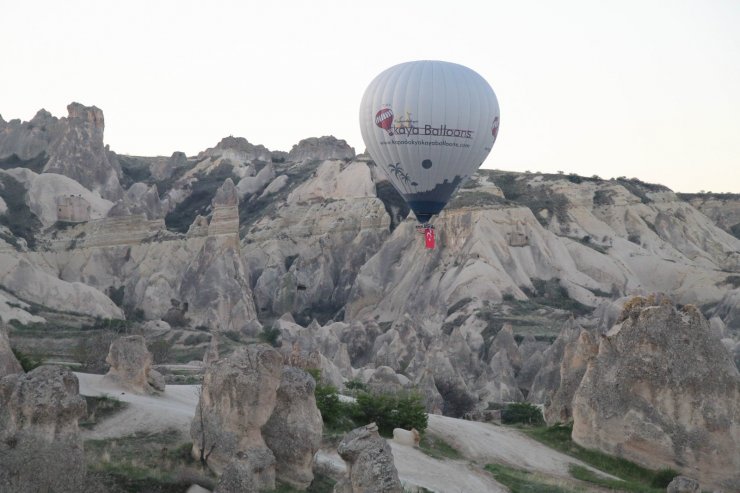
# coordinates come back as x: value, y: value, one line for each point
x: 428, y: 125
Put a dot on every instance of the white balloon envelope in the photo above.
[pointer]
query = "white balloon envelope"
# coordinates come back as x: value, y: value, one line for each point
x: 428, y: 125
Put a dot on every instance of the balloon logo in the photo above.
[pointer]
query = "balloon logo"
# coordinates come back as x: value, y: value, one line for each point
x: 494, y: 129
x: 384, y: 119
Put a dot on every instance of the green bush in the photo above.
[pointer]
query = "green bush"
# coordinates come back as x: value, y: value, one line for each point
x: 663, y: 478
x: 389, y: 411
x: 27, y: 362
x: 270, y: 336
x: 355, y: 385
x: 522, y: 413
x: 334, y: 413
x: 195, y: 339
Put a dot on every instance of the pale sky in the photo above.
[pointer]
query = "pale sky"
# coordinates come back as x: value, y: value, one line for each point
x: 649, y: 89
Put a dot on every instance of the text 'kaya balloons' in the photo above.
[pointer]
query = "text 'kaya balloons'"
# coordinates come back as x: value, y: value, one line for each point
x: 429, y: 125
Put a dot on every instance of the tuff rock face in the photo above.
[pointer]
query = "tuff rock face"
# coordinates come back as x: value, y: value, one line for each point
x: 237, y: 149
x: 370, y: 467
x: 45, y: 189
x: 577, y: 355
x: 304, y: 257
x: 27, y: 140
x: 322, y: 148
x: 547, y: 380
x: 140, y: 198
x: 130, y: 366
x: 682, y: 484
x: 293, y: 432
x: 28, y: 281
x: 80, y: 153
x: 216, y: 283
x: 40, y: 444
x: 8, y: 362
x: 251, y: 471
x: 494, y: 249
x: 723, y: 210
x: 71, y: 146
x: 238, y: 396
x: 664, y: 393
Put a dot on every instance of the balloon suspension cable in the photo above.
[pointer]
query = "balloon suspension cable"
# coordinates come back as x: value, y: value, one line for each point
x: 421, y: 228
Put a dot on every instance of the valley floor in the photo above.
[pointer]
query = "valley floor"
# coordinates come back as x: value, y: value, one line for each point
x: 478, y: 443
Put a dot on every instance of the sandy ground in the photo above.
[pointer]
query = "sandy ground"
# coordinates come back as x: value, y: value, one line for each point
x: 175, y: 408
x: 479, y: 442
x: 486, y: 443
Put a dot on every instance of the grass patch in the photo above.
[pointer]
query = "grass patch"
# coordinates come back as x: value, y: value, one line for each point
x: 142, y: 462
x: 580, y: 472
x: 439, y: 449
x: 519, y: 481
x: 27, y: 362
x: 99, y: 408
x: 320, y: 484
x: 559, y: 438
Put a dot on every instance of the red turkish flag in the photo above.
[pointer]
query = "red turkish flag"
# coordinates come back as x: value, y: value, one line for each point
x: 429, y: 238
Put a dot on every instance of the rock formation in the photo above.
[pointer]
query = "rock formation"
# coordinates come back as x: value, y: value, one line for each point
x: 238, y: 396
x: 71, y: 146
x: 237, y: 149
x: 80, y: 154
x: 216, y: 283
x: 321, y: 148
x: 504, y: 341
x: 8, y: 362
x: 664, y: 393
x: 305, y: 256
x: 130, y: 366
x: 547, y: 380
x: 577, y: 355
x: 140, y: 198
x: 370, y: 467
x: 40, y: 444
x: 250, y: 472
x: 294, y: 430
x: 499, y: 383
x: 615, y: 254
x: 29, y: 282
x: 682, y: 484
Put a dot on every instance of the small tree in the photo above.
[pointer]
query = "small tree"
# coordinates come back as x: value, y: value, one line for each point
x: 203, y: 442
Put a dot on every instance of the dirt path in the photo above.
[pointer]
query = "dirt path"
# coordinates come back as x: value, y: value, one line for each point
x: 174, y: 409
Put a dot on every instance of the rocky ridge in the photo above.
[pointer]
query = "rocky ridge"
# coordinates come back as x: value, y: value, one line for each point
x: 313, y: 248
